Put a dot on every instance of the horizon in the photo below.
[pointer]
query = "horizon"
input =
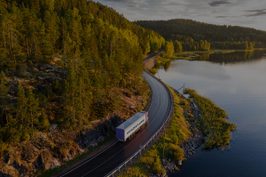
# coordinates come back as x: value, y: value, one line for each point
x: 241, y: 13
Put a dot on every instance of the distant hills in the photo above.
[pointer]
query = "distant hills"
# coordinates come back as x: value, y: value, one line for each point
x: 220, y: 36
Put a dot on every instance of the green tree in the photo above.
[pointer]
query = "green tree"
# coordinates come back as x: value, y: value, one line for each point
x: 249, y: 45
x: 3, y: 85
x: 30, y: 30
x: 21, y: 113
x: 51, y: 28
x: 32, y: 109
x: 178, y: 46
x: 204, y: 45
x: 169, y: 49
x: 35, y: 5
x: 10, y: 35
x: 46, y: 46
x: 3, y: 94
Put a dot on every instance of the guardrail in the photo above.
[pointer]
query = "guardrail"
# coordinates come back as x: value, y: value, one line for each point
x: 149, y: 142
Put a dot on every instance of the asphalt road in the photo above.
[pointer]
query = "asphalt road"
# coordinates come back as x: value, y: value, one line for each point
x: 115, y: 155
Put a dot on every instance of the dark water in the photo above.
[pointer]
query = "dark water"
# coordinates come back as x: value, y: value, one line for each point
x: 240, y: 88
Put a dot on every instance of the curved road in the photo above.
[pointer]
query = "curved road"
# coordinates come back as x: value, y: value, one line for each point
x: 105, y: 162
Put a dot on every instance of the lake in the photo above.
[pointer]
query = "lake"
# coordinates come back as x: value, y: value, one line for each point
x: 237, y: 83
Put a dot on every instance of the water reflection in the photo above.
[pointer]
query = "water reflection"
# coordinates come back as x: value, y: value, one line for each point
x: 240, y: 88
x: 199, y: 69
x: 232, y: 58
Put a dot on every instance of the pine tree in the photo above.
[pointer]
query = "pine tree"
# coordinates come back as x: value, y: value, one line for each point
x: 35, y: 6
x: 178, y: 46
x: 21, y: 113
x: 3, y: 85
x: 33, y: 109
x: 10, y: 35
x: 169, y: 49
x: 46, y: 46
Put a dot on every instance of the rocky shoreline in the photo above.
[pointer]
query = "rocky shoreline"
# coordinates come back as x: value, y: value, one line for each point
x: 195, y: 141
x: 197, y: 136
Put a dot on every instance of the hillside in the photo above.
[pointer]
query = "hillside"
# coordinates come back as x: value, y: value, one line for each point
x: 66, y: 68
x: 221, y: 37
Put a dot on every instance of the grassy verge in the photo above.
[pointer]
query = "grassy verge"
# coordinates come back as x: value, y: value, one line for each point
x: 167, y: 147
x: 213, y: 122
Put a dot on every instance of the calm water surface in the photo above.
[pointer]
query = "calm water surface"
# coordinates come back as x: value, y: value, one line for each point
x: 240, y: 88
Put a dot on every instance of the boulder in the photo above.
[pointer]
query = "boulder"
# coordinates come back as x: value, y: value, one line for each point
x: 46, y: 161
x: 20, y: 168
x: 2, y: 174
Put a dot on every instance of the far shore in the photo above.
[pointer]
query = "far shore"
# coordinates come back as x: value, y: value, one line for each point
x: 190, y: 55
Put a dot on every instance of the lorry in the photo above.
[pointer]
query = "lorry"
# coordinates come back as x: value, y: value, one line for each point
x: 128, y: 128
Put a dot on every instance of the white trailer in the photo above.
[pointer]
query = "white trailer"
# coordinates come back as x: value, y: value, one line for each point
x: 131, y: 126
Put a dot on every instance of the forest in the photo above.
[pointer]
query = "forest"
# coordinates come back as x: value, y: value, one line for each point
x: 201, y: 36
x: 60, y: 60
